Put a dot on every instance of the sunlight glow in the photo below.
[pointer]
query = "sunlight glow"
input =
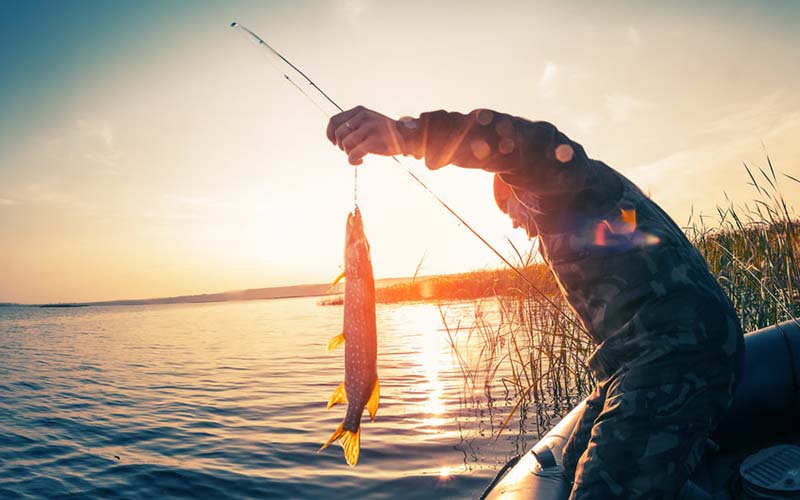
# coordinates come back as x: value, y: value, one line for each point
x: 435, y: 421
x: 182, y: 151
x: 426, y: 290
x: 431, y: 355
x: 432, y: 359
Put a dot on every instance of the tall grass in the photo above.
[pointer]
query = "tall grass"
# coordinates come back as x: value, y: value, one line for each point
x: 754, y: 251
x: 526, y: 351
x: 533, y: 352
x: 465, y: 286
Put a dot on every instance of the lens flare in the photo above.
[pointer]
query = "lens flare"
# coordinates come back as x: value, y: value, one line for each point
x: 506, y: 145
x: 564, y: 153
x: 480, y: 149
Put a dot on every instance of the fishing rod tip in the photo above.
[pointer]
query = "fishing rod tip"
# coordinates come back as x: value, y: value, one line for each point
x: 233, y: 24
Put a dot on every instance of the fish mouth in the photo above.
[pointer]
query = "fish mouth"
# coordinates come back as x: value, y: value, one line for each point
x: 356, y: 245
x: 355, y: 227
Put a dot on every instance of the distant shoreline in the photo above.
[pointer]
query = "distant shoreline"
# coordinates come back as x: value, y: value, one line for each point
x: 63, y: 305
x: 278, y: 292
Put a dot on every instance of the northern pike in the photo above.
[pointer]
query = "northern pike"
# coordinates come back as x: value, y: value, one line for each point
x: 360, y: 388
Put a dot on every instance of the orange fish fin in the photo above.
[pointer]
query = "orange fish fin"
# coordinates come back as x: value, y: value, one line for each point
x: 336, y: 435
x: 336, y: 341
x: 337, y: 280
x: 351, y: 442
x: 374, y: 400
x: 338, y: 396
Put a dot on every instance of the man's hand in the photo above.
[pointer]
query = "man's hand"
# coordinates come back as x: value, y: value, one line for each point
x: 361, y: 131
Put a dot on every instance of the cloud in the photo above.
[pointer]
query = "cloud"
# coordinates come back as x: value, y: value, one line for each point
x: 44, y: 192
x: 633, y: 36
x: 698, y: 175
x: 565, y: 79
x: 96, y: 141
x: 788, y: 122
x: 587, y: 122
x: 745, y: 115
x: 352, y: 9
x: 761, y: 117
x: 181, y: 200
x: 108, y: 159
x: 97, y: 129
x: 701, y: 159
x: 673, y: 181
x: 549, y: 74
x: 739, y: 140
x: 48, y: 192
x: 185, y: 208
x: 622, y: 108
x: 547, y: 80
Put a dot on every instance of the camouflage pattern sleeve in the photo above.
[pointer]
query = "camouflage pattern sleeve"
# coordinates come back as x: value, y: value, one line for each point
x: 560, y: 182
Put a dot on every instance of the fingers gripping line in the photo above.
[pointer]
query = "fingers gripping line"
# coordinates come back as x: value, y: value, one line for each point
x: 378, y: 138
x: 347, y: 127
x: 337, y: 121
x: 360, y: 131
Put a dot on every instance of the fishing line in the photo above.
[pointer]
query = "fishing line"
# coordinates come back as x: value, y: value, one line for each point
x: 355, y: 186
x: 419, y: 181
x: 252, y: 36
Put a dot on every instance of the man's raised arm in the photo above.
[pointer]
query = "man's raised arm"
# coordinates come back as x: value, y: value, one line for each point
x: 549, y: 172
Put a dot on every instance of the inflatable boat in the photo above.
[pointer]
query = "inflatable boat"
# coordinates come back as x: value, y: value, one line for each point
x: 754, y: 453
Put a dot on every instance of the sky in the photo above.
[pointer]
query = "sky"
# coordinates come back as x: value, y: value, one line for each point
x: 147, y: 149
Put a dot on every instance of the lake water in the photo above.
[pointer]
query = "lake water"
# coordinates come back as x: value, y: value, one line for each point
x: 227, y: 400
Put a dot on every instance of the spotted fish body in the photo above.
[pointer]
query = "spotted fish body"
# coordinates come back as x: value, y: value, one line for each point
x: 360, y: 388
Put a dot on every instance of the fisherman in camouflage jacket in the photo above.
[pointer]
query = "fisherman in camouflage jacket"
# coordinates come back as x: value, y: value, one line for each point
x: 669, y: 344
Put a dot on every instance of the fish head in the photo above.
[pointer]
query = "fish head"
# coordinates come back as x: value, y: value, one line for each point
x: 356, y: 250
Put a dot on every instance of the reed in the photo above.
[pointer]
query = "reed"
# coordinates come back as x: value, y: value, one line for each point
x: 525, y: 351
x: 754, y: 251
x: 465, y: 286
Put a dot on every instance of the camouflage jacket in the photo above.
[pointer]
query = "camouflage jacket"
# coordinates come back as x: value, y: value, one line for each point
x: 627, y: 270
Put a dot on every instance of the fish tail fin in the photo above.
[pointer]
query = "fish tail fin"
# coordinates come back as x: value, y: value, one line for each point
x: 339, y: 396
x: 350, y: 441
x: 374, y: 400
x: 336, y: 435
x: 336, y: 341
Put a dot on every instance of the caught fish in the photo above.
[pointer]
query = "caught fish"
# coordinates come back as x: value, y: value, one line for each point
x: 360, y: 388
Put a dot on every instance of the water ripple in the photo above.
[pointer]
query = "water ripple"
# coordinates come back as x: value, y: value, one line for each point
x: 228, y: 401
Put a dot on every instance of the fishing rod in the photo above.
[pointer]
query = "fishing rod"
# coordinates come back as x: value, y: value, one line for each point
x: 419, y: 181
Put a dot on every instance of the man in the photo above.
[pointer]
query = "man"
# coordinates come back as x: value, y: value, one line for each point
x: 669, y: 341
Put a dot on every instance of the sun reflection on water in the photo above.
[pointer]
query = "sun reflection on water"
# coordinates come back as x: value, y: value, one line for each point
x: 431, y: 354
